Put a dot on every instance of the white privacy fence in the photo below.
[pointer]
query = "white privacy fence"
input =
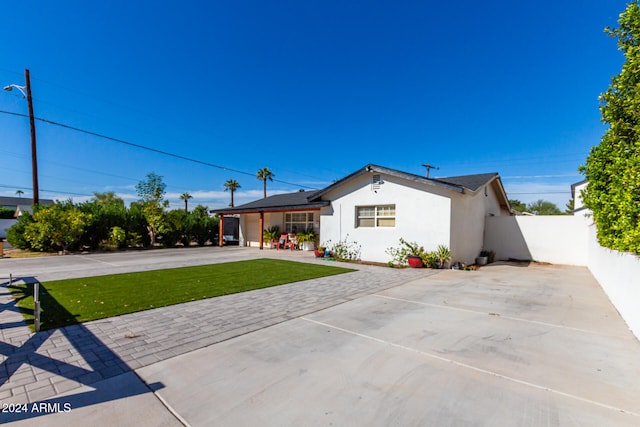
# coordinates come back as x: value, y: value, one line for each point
x: 570, y: 240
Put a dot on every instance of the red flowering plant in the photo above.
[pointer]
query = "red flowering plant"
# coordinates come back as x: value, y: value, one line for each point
x: 406, y: 250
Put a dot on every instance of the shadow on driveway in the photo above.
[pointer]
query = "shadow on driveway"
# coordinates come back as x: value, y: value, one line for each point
x: 37, y: 367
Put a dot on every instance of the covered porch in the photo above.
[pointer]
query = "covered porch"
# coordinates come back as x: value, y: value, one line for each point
x: 292, y: 213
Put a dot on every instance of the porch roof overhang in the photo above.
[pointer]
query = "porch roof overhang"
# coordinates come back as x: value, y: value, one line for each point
x: 292, y: 208
x: 298, y: 201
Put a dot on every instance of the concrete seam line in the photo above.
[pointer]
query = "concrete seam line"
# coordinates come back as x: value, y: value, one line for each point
x: 162, y: 401
x: 473, y: 368
x: 99, y: 261
x: 517, y: 319
x: 170, y: 409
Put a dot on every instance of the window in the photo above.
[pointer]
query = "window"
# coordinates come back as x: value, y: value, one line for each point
x: 295, y: 222
x: 376, y: 216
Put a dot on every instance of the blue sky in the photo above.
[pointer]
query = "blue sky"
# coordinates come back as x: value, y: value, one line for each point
x: 313, y: 90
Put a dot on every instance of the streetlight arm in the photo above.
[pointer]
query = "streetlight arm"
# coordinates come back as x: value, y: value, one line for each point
x: 9, y: 88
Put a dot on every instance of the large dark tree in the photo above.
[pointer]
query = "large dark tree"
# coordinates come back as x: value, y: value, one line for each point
x: 613, y: 167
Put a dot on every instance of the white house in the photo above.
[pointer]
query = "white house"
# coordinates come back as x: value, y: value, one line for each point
x: 576, y: 193
x: 376, y: 206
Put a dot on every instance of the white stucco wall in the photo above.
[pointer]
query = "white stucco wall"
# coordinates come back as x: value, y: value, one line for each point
x: 468, y: 222
x: 557, y: 239
x: 421, y: 216
x: 619, y: 275
x: 251, y: 230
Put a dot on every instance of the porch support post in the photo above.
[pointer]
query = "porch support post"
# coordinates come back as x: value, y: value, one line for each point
x: 221, y: 231
x: 261, y: 230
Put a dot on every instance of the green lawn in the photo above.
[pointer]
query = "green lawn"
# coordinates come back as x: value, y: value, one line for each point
x: 65, y: 302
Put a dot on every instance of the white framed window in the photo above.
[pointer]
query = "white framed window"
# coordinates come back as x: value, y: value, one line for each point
x: 376, y: 216
x: 295, y: 222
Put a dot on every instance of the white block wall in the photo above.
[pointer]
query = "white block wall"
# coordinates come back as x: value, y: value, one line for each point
x: 619, y: 275
x: 555, y: 239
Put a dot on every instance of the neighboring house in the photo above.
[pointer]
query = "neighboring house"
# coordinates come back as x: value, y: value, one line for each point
x: 24, y: 203
x: 376, y: 206
x: 576, y: 193
x: 19, y: 205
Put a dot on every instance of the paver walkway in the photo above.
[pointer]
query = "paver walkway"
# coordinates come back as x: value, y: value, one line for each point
x: 35, y: 367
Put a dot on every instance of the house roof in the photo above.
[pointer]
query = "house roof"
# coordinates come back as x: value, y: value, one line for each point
x: 456, y: 183
x: 14, y: 202
x: 471, y: 182
x: 306, y: 200
x: 300, y: 200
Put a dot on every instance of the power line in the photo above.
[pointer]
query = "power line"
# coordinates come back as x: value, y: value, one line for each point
x: 155, y: 150
x: 543, y: 192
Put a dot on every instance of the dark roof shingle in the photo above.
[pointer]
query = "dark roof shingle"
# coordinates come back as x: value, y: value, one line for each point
x: 297, y: 200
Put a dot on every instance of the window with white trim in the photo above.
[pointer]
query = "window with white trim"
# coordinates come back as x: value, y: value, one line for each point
x: 296, y: 222
x: 376, y: 216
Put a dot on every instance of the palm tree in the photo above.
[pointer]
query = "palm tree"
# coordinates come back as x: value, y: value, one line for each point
x: 186, y: 197
x: 19, y: 193
x: 263, y: 175
x: 231, y: 185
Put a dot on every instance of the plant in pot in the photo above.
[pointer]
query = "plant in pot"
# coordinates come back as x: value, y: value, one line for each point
x: 443, y: 254
x: 482, y: 258
x: 408, y: 253
x: 414, y: 253
x: 307, y: 239
x: 271, y: 234
x: 485, y: 257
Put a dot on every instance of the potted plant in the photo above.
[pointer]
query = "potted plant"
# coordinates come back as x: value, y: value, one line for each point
x: 443, y: 253
x: 414, y: 253
x: 484, y: 257
x: 271, y: 234
x: 307, y: 239
x: 319, y: 251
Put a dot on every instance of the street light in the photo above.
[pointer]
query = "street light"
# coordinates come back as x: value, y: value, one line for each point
x: 9, y: 88
x: 26, y: 92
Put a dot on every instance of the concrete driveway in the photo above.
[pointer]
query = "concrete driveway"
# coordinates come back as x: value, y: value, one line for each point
x: 506, y: 345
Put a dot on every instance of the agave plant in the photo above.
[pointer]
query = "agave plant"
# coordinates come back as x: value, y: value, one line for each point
x: 443, y: 253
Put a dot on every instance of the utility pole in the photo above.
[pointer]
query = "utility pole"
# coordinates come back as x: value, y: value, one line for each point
x: 429, y: 167
x: 34, y: 157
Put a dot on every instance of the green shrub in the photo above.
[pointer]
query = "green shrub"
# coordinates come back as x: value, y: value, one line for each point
x: 613, y: 167
x: 15, y: 233
x: 117, y: 236
x: 7, y: 213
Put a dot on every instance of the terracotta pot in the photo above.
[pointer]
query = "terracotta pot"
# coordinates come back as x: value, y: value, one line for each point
x: 414, y: 261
